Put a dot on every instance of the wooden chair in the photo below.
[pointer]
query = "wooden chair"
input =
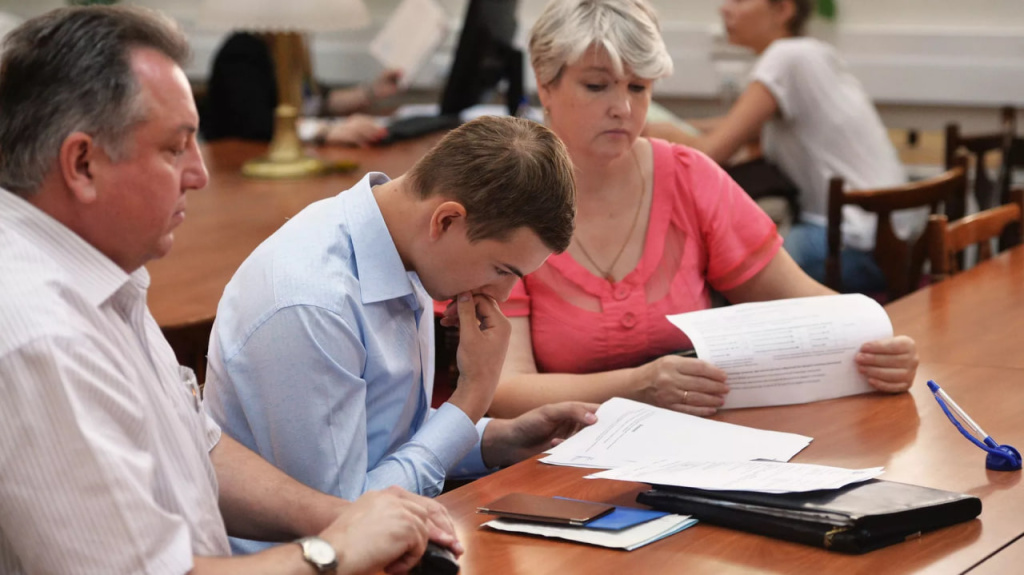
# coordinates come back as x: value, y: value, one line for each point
x: 900, y: 261
x: 987, y: 191
x: 946, y: 240
x: 1013, y: 158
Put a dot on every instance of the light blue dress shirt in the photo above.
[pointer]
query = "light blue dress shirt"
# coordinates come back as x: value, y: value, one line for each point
x: 322, y: 359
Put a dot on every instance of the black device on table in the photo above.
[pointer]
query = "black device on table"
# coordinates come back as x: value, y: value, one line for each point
x: 484, y: 57
x: 436, y: 560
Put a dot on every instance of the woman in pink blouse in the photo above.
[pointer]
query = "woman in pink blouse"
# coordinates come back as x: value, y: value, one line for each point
x: 658, y: 226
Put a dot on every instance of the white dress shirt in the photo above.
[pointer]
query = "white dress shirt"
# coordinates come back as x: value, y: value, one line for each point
x: 104, y: 462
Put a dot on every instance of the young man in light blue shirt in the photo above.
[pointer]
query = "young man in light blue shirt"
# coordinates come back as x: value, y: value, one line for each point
x: 321, y: 358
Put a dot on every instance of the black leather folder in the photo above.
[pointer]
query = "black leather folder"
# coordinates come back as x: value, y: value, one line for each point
x: 855, y: 519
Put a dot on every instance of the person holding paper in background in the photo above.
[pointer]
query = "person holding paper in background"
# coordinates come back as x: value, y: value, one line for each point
x: 658, y: 226
x: 815, y: 121
x: 242, y: 96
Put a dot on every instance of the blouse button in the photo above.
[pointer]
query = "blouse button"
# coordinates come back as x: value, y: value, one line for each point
x: 621, y: 292
x: 628, y: 320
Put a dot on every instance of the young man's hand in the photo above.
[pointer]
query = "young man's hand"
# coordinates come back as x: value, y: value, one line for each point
x: 508, y: 441
x: 483, y: 341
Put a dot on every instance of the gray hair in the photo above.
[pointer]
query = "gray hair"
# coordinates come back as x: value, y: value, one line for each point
x: 627, y: 29
x: 69, y: 71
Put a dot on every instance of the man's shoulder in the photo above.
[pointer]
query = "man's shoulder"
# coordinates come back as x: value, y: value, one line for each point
x: 308, y: 261
x: 36, y: 301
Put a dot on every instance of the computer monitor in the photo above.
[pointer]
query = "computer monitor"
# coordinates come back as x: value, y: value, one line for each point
x: 485, y: 55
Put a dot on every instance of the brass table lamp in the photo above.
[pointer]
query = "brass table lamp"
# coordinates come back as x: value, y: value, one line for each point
x: 284, y: 22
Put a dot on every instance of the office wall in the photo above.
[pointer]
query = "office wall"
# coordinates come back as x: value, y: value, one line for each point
x: 938, y: 53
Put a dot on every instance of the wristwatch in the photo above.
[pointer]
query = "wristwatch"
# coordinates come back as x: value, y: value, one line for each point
x: 319, y: 554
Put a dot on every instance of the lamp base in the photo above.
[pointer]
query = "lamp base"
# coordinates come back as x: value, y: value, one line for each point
x: 300, y: 167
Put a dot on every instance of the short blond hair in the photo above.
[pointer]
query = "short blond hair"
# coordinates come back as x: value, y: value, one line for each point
x: 627, y: 29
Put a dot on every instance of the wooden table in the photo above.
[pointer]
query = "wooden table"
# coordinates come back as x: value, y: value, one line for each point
x: 907, y: 434
x: 230, y: 217
x: 975, y: 318
x: 1008, y: 560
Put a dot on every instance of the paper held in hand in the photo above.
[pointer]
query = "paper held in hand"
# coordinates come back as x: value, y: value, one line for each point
x: 787, y: 351
x: 410, y: 36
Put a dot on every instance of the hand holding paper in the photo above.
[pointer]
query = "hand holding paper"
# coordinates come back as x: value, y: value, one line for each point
x: 788, y: 351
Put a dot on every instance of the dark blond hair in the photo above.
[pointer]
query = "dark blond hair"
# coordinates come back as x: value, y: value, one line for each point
x: 508, y: 173
x: 801, y: 14
x: 69, y: 71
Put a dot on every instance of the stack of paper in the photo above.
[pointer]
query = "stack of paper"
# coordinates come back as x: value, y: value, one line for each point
x: 760, y: 476
x: 629, y: 538
x: 629, y: 432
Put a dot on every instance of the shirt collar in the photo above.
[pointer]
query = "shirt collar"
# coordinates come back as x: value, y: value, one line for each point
x: 96, y: 276
x: 382, y: 276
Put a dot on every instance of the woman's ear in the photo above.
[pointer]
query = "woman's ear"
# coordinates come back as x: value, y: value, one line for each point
x: 447, y: 216
x: 76, y: 161
x: 783, y: 13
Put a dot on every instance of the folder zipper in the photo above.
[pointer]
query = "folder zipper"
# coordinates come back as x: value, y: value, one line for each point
x: 832, y: 533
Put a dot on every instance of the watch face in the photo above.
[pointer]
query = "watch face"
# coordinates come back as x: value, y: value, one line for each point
x: 321, y: 551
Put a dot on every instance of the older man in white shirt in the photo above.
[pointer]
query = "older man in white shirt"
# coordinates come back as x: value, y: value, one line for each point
x: 109, y: 463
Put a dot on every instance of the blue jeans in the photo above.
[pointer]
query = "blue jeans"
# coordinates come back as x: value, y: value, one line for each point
x: 807, y: 243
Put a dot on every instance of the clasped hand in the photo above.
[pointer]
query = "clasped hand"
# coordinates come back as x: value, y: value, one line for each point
x: 483, y: 341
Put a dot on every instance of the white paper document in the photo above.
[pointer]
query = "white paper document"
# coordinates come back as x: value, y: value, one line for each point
x: 761, y: 476
x: 787, y: 351
x: 629, y: 538
x: 410, y: 37
x: 632, y: 432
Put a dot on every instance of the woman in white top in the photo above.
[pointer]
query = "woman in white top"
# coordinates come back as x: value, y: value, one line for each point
x: 815, y: 121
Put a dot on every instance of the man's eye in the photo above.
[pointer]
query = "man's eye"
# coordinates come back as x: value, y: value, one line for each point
x: 638, y: 88
x: 595, y: 87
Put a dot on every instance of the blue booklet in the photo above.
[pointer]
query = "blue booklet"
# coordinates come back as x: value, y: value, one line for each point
x: 622, y: 517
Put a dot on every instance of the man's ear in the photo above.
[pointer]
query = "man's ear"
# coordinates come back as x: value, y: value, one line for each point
x: 446, y: 215
x: 76, y: 160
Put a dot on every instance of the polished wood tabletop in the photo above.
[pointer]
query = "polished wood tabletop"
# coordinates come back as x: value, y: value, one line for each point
x: 974, y: 318
x: 230, y: 217
x: 907, y: 434
x: 1008, y: 560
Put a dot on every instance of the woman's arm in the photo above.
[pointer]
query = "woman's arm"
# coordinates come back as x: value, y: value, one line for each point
x: 889, y: 364
x: 782, y: 278
x: 343, y: 101
x: 684, y: 384
x: 741, y: 125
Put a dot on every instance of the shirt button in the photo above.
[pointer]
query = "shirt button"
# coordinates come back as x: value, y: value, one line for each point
x: 628, y: 320
x: 621, y: 292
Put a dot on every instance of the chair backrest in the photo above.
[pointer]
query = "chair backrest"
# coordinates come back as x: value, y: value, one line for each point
x: 1013, y: 158
x: 988, y: 192
x: 946, y: 240
x: 900, y: 261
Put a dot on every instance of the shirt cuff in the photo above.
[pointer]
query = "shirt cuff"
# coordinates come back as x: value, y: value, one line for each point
x: 472, y: 465
x: 449, y: 434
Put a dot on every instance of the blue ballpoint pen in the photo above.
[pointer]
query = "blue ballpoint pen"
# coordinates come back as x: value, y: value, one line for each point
x: 1000, y: 457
